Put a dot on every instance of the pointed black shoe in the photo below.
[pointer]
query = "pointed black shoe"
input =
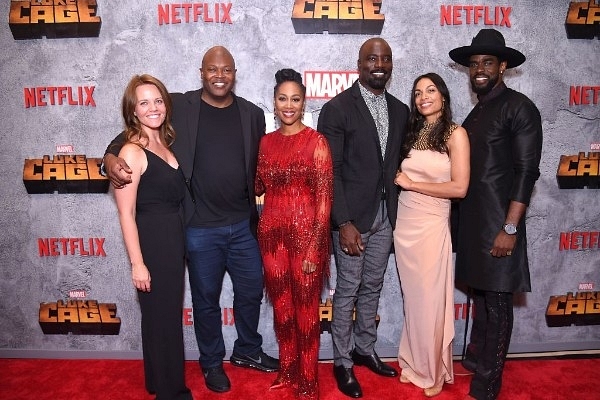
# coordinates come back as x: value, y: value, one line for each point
x: 469, y: 362
x: 346, y: 381
x: 374, y: 364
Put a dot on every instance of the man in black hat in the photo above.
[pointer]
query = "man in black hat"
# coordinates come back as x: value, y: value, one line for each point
x: 505, y: 131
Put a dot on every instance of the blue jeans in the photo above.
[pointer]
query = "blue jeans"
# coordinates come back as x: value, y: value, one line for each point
x: 212, y: 252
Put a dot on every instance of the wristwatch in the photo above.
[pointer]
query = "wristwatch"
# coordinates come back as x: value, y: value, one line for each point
x: 510, y: 229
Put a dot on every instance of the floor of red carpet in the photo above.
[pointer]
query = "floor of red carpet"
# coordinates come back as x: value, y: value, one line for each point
x: 123, y: 380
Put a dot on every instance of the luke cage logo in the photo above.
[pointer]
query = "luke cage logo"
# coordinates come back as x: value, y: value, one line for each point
x: 54, y: 19
x: 579, y: 171
x: 581, y: 308
x: 338, y: 16
x: 79, y: 317
x: 583, y: 20
x: 64, y: 174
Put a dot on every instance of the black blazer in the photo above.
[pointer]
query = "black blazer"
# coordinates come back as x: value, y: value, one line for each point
x: 186, y: 111
x: 361, y: 176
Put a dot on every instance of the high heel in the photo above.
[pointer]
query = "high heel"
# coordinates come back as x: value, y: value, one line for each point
x: 279, y: 383
x: 404, y: 379
x: 433, y: 391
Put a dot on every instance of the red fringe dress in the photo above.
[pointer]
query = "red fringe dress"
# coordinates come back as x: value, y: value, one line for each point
x: 295, y: 174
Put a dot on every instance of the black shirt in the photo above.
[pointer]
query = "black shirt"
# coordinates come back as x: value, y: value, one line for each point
x: 219, y: 181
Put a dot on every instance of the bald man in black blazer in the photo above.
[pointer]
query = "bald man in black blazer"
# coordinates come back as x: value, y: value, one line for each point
x: 365, y: 126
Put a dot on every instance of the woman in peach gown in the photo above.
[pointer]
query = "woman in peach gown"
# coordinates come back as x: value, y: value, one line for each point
x: 434, y: 169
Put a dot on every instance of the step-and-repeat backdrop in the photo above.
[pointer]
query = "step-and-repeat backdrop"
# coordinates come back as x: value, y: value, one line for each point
x: 65, y: 280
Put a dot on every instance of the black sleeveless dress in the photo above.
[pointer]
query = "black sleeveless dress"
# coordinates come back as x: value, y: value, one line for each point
x: 160, y: 230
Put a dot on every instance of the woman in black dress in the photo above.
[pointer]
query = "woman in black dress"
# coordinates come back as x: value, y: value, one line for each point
x: 153, y: 232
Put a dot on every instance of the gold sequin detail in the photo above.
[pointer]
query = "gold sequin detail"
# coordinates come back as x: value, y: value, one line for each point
x: 423, y: 141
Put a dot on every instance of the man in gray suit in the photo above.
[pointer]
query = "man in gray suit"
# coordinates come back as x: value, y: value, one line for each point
x: 364, y: 126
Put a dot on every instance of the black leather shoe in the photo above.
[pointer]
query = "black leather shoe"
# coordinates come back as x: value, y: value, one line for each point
x: 374, y: 364
x: 216, y: 379
x: 469, y: 364
x: 346, y: 381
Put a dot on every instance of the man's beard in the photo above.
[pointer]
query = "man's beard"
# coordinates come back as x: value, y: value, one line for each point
x: 377, y: 83
x: 485, y: 89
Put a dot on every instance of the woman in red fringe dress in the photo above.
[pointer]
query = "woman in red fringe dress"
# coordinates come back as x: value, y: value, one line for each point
x: 295, y: 174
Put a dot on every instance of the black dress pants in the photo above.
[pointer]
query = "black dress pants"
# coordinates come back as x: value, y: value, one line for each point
x: 490, y: 338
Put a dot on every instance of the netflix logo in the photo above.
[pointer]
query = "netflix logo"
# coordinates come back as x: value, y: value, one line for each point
x: 58, y: 95
x: 177, y: 13
x: 579, y: 241
x: 327, y: 84
x: 54, y: 247
x: 584, y: 95
x: 475, y: 14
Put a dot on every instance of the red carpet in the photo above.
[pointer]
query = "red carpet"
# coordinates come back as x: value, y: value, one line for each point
x: 123, y: 380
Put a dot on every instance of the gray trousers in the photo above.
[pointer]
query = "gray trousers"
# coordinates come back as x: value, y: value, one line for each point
x: 359, y: 283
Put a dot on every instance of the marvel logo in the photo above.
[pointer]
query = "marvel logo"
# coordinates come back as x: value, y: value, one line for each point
x: 327, y: 84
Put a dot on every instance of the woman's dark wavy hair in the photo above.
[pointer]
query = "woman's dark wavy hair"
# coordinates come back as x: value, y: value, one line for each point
x: 288, y: 75
x: 133, y: 127
x: 416, y: 120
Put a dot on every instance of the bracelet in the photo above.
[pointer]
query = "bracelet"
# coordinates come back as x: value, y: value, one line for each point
x: 344, y: 223
x: 103, y: 169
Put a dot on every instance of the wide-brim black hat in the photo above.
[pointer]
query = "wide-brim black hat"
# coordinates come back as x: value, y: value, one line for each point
x: 488, y: 42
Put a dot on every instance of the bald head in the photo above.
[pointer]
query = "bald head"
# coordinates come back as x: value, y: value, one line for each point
x: 218, y: 76
x: 367, y: 47
x: 218, y: 52
x: 375, y: 64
